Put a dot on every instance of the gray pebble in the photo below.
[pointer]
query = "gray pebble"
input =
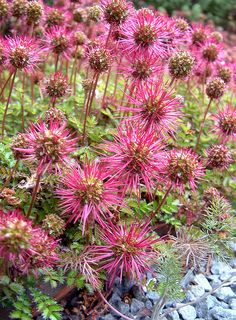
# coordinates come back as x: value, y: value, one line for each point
x: 220, y: 313
x: 153, y: 295
x: 136, y: 305
x: 202, y: 281
x: 188, y: 313
x: 149, y: 305
x: 219, y: 267
x: 232, y: 304
x: 197, y: 290
x: 224, y: 294
x: 173, y: 316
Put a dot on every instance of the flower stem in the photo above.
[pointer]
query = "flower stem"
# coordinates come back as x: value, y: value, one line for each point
x: 112, y: 308
x: 105, y: 90
x: 202, y: 124
x: 34, y: 194
x: 7, y: 105
x: 56, y: 62
x: 22, y: 103
x: 162, y: 202
x: 5, y: 84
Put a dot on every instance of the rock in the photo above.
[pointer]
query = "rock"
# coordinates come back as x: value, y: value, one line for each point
x: 188, y: 313
x: 233, y: 263
x: 220, y: 313
x: 224, y: 294
x: 232, y: 304
x: 232, y: 245
x: 211, y: 302
x: 219, y: 267
x: 187, y: 279
x: 123, y: 307
x: 202, y: 310
x: 189, y: 296
x: 148, y: 304
x: 115, y: 299
x: 173, y: 316
x: 153, y: 295
x: 197, y: 290
x: 201, y: 280
x: 214, y: 280
x: 107, y: 317
x: 136, y: 305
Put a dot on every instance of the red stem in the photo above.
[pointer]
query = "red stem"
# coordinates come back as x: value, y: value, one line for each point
x: 7, y: 105
x: 34, y: 194
x: 202, y: 125
x: 5, y: 84
x: 10, y: 176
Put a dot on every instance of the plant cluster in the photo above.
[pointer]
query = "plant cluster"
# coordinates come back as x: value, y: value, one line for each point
x: 117, y: 140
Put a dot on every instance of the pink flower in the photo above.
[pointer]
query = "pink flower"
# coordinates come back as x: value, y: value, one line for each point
x: 145, y: 32
x: 127, y: 250
x: 136, y: 156
x: 156, y: 107
x: 226, y: 124
x: 141, y: 68
x: 59, y: 41
x: 22, y: 53
x: 26, y: 247
x: 182, y: 167
x: 219, y: 157
x: 115, y: 12
x: 48, y: 146
x: 88, y: 193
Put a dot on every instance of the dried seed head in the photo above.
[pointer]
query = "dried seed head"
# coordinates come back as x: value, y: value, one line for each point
x: 56, y: 86
x: 100, y: 59
x: 38, y: 32
x: 87, y: 84
x: 19, y: 8
x: 19, y: 141
x: 210, y: 52
x: 181, y: 24
x: 79, y: 15
x: 198, y: 36
x: 54, y: 225
x: 94, y: 13
x: 116, y: 12
x: 60, y: 43
x: 219, y: 157
x: 79, y: 53
x: 215, y: 88
x: 34, y: 12
x: 54, y: 114
x: 9, y: 196
x: 4, y: 8
x: 217, y: 36
x: 19, y: 57
x: 181, y: 64
x: 79, y: 38
x: 225, y: 73
x: 54, y: 18
x: 209, y: 194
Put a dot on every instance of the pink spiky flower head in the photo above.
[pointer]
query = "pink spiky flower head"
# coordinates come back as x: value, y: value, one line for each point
x: 182, y: 167
x: 147, y: 32
x: 135, y: 156
x: 59, y: 41
x: 15, y: 236
x: 88, y: 193
x: 25, y: 246
x: 115, y: 12
x: 127, y: 250
x: 22, y: 53
x: 199, y: 33
x: 156, y: 107
x: 226, y: 124
x: 141, y: 68
x: 48, y: 145
x: 54, y: 17
x: 219, y: 157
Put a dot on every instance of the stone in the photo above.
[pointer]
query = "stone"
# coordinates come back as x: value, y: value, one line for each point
x: 233, y: 263
x: 115, y: 299
x: 148, y: 304
x: 136, y: 305
x: 219, y: 267
x: 190, y: 296
x: 107, y: 317
x: 232, y: 245
x: 220, y: 313
x: 202, y: 310
x: 173, y: 316
x: 224, y: 294
x: 201, y: 280
x: 123, y: 307
x: 232, y: 304
x: 153, y: 295
x: 187, y: 279
x: 197, y: 290
x: 188, y: 313
x: 211, y: 302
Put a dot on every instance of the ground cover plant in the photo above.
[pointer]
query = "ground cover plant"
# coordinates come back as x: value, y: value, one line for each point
x: 117, y: 150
